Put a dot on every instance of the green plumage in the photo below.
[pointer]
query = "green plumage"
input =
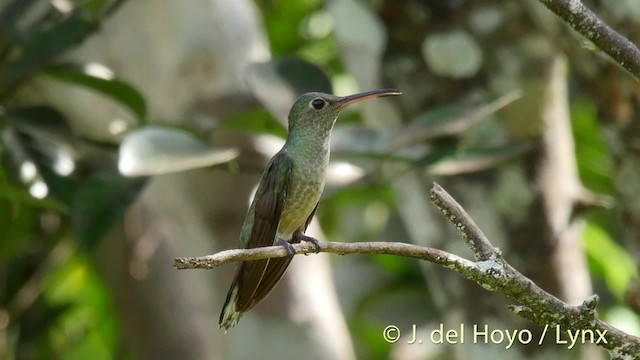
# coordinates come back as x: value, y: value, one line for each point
x: 287, y: 197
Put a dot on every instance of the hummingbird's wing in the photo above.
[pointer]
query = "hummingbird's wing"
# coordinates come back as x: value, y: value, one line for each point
x: 277, y: 267
x: 257, y: 278
x: 306, y: 224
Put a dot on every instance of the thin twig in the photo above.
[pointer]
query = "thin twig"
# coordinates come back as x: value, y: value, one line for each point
x: 469, y: 231
x: 589, y: 25
x: 387, y: 248
x: 491, y: 272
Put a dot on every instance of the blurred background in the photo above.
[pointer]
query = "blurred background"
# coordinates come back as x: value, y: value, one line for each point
x: 133, y: 132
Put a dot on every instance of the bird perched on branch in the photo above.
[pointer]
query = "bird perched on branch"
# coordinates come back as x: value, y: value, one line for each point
x: 287, y: 197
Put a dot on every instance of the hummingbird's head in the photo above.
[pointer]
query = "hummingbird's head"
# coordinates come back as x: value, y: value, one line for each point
x: 320, y: 110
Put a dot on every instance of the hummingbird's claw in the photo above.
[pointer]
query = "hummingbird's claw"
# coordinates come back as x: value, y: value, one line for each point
x: 314, y: 241
x: 287, y: 246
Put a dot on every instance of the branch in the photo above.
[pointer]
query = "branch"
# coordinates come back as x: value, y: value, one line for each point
x: 469, y: 231
x: 589, y: 25
x: 490, y: 271
x: 369, y: 248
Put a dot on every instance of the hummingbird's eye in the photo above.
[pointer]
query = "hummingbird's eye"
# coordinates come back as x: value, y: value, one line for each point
x: 318, y: 104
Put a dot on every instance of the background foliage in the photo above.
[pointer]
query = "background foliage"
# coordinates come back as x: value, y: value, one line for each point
x: 61, y: 192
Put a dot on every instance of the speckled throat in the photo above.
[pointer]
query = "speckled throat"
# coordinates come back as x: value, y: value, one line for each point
x: 309, y: 153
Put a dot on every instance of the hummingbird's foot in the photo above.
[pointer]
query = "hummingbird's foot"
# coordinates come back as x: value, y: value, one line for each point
x: 287, y: 246
x: 314, y: 241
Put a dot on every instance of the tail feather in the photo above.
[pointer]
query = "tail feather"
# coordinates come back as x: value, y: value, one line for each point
x: 272, y: 276
x: 229, y: 316
x: 242, y: 298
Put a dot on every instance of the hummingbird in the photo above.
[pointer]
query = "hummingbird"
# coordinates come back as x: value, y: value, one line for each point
x: 287, y: 197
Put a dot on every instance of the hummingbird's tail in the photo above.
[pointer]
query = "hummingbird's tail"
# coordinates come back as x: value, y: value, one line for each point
x: 229, y: 316
x: 253, y: 282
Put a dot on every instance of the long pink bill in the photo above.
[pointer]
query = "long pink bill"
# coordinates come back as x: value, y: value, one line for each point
x: 348, y: 100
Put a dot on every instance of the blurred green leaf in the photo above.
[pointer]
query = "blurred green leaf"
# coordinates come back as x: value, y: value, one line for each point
x: 451, y: 119
x: 39, y: 49
x: 38, y: 147
x: 595, y: 162
x: 40, y: 121
x: 361, y: 140
x: 36, y: 323
x: 442, y: 152
x: 283, y: 20
x: 19, y: 196
x: 257, y: 121
x: 369, y: 335
x: 601, y: 251
x: 398, y: 266
x: 116, y: 89
x: 361, y: 38
x: 323, y: 52
x: 302, y: 75
x: 9, y: 17
x: 623, y: 318
x: 43, y: 167
x: 153, y: 150
x: 17, y: 222
x: 101, y: 9
x: 25, y: 169
x: 453, y: 161
x: 445, y: 157
x: 277, y: 83
x: 355, y: 141
x: 99, y: 203
x: 371, y: 314
x: 88, y: 328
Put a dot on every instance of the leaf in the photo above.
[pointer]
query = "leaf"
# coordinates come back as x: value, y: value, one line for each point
x: 358, y: 141
x: 44, y: 186
x: 283, y: 23
x: 361, y: 140
x: 116, y: 89
x: 38, y: 50
x: 9, y: 18
x: 101, y: 202
x: 19, y: 196
x: 44, y: 136
x: 154, y: 150
x: 30, y: 165
x: 594, y: 158
x: 277, y: 83
x: 451, y: 119
x: 453, y: 161
x: 257, y: 121
x: 302, y: 75
x: 611, y: 261
x: 40, y: 121
x: 361, y: 37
